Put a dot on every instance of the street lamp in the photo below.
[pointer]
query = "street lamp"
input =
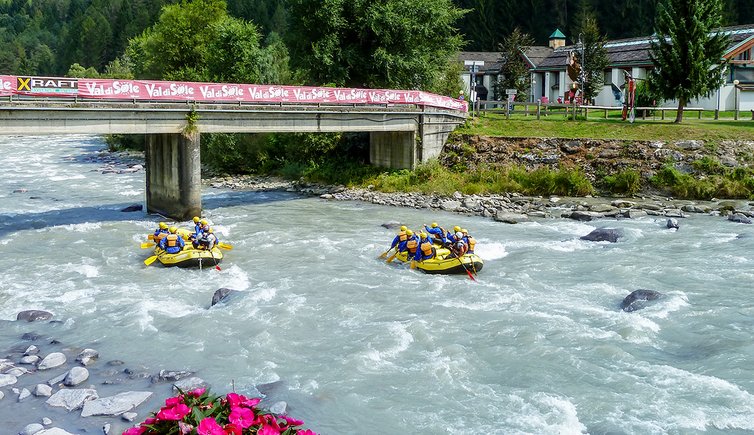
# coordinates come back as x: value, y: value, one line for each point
x: 735, y: 98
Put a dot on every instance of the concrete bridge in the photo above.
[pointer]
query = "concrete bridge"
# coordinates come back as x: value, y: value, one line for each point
x: 400, y: 135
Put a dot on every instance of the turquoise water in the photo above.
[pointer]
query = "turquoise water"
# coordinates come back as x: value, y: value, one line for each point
x: 536, y: 345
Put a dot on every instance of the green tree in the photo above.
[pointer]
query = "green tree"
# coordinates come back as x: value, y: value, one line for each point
x: 374, y: 43
x: 687, y: 53
x: 515, y: 69
x: 197, y: 40
x: 592, y: 57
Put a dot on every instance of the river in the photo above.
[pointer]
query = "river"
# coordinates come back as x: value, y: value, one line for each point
x: 536, y: 345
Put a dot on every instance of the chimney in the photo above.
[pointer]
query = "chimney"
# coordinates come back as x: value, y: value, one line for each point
x: 557, y: 39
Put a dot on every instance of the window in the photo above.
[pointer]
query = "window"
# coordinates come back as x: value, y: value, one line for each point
x: 746, y: 55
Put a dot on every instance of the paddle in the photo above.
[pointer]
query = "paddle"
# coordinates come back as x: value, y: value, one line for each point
x: 413, y: 264
x: 150, y: 260
x: 146, y: 245
x: 467, y: 270
x: 225, y: 246
x: 213, y: 259
x: 392, y: 257
x: 384, y: 254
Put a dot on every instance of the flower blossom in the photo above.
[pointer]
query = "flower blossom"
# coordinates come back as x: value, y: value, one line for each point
x: 209, y: 426
x: 175, y: 413
x: 243, y: 417
x: 135, y: 430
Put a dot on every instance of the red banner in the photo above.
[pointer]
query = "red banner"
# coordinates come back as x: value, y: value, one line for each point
x: 150, y: 90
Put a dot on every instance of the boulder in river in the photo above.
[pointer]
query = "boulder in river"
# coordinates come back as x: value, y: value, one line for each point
x: 604, y: 235
x: 33, y: 315
x: 638, y: 299
x: 222, y: 295
x: 132, y: 208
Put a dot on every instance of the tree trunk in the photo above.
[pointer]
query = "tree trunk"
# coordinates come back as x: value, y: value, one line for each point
x: 679, y: 113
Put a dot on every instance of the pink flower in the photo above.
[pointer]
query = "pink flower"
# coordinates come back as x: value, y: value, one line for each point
x: 209, y: 426
x: 171, y: 402
x: 198, y: 392
x: 252, y: 402
x: 150, y: 420
x: 268, y: 430
x: 293, y: 421
x: 135, y: 431
x: 307, y: 432
x: 175, y: 413
x: 232, y: 429
x: 243, y: 417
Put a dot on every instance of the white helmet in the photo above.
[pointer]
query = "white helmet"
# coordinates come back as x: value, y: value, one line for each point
x: 459, y: 235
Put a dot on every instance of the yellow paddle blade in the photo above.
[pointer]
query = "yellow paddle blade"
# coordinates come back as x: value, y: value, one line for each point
x: 150, y: 260
x: 391, y: 258
x: 150, y: 237
x: 225, y: 246
x: 383, y: 255
x: 147, y: 245
x: 413, y: 264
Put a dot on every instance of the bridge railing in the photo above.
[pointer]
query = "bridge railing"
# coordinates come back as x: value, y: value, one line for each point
x: 165, y: 91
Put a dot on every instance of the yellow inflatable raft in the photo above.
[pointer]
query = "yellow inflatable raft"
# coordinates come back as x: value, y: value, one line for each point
x: 190, y: 257
x: 471, y: 263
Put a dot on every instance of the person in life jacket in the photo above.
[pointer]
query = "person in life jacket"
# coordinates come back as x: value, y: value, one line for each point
x: 201, y: 228
x: 451, y: 237
x: 207, y: 240
x: 426, y: 251
x: 172, y: 243
x: 459, y: 247
x: 412, y: 245
x: 401, y: 237
x: 403, y: 246
x: 161, y: 232
x: 437, y: 233
x: 197, y: 228
x: 470, y: 241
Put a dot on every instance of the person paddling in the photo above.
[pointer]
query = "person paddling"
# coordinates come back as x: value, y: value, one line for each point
x: 172, y: 243
x: 426, y: 251
x: 437, y: 232
x: 459, y: 247
x: 470, y: 241
x: 161, y: 232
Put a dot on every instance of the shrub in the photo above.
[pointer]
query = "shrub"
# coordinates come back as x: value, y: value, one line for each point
x: 202, y: 413
x: 627, y: 182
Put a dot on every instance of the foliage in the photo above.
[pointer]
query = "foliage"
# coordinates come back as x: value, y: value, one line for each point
x: 627, y: 182
x: 432, y: 177
x: 377, y: 44
x: 593, y: 59
x: 733, y: 184
x: 207, y: 414
x: 514, y: 68
x: 687, y: 54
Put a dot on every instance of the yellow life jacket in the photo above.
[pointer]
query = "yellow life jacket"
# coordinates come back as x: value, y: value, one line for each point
x: 411, y: 246
x: 402, y: 236
x: 172, y: 240
x: 427, y: 249
x: 472, y: 243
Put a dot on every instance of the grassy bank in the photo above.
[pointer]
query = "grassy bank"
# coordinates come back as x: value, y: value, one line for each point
x: 709, y: 130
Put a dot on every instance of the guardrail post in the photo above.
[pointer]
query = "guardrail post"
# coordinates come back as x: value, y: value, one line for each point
x: 586, y: 114
x: 662, y: 114
x: 752, y: 114
x: 700, y: 114
x: 539, y: 110
x: 717, y: 114
x: 508, y: 108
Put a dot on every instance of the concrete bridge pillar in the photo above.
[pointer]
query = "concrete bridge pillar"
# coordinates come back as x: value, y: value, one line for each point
x: 174, y: 178
x: 393, y: 149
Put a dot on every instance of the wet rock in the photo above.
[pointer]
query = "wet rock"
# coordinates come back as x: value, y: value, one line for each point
x: 129, y: 416
x: 31, y: 429
x: 115, y: 405
x: 278, y: 407
x: 31, y: 350
x: 57, y: 380
x: 72, y: 399
x: 740, y: 218
x: 132, y: 208
x: 604, y: 235
x: 46, y: 421
x: 16, y: 371
x: 391, y: 225
x: 24, y: 394
x: 30, y: 336
x: 54, y: 431
x: 672, y: 223
x: 583, y: 216
x: 55, y: 359
x: 42, y: 390
x: 637, y: 299
x: 2, y: 395
x: 87, y: 357
x: 189, y: 384
x: 170, y: 375
x: 634, y: 214
x: 510, y: 218
x: 450, y: 205
x: 20, y: 190
x: 76, y: 376
x: 33, y: 315
x: 6, y: 380
x: 31, y: 359
x: 222, y: 295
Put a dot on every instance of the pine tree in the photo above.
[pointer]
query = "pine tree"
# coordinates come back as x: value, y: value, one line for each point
x: 687, y: 54
x: 593, y: 57
x: 514, y: 69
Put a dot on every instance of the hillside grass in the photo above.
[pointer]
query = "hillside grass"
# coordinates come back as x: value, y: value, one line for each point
x: 596, y: 127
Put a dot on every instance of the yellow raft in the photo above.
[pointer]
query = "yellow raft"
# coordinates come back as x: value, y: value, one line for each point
x: 190, y: 257
x: 471, y: 263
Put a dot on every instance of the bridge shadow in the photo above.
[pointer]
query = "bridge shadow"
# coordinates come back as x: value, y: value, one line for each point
x: 11, y: 223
